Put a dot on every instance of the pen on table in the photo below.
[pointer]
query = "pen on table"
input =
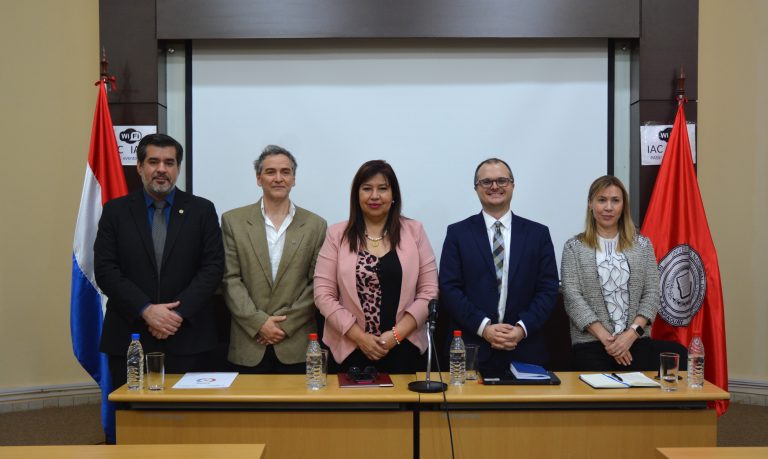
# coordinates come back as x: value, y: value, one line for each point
x: 617, y: 377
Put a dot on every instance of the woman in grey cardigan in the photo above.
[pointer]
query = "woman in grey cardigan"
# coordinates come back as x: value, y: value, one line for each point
x: 610, y: 286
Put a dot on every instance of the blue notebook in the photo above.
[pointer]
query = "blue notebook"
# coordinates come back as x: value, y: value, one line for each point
x: 528, y: 371
x: 507, y: 377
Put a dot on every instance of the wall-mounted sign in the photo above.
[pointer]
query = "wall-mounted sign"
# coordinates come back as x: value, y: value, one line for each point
x: 128, y: 139
x: 653, y: 142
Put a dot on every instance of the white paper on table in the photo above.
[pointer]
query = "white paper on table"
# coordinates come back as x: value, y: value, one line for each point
x: 205, y: 381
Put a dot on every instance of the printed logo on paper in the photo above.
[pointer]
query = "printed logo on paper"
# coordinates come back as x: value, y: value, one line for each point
x: 130, y: 136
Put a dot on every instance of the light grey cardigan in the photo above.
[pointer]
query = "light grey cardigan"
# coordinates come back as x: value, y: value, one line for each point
x: 583, y: 295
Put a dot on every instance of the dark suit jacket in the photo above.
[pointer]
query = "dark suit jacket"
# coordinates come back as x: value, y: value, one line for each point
x: 469, y: 293
x: 192, y: 268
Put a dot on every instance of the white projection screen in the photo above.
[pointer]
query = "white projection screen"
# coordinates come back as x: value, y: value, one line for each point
x: 432, y: 111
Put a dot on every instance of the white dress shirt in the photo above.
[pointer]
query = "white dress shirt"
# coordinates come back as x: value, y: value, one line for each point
x: 276, y: 237
x: 506, y: 233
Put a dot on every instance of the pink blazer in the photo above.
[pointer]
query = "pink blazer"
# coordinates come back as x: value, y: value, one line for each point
x: 336, y: 291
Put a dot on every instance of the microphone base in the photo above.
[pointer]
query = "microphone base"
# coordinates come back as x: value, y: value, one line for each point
x: 427, y: 387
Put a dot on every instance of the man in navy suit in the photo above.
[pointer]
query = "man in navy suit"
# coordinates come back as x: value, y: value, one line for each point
x: 159, y: 258
x: 498, y: 275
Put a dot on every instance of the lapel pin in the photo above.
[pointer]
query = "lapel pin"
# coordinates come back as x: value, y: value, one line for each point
x: 181, y: 211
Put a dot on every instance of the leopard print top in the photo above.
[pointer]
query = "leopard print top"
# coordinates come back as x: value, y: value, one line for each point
x: 369, y: 290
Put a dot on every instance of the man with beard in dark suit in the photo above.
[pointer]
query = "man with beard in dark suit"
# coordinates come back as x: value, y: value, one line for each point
x: 159, y: 258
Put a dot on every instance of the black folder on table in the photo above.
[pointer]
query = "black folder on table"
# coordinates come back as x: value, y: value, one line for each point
x: 506, y: 378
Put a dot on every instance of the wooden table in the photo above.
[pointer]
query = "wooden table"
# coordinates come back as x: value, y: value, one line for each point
x: 133, y: 451
x: 277, y: 410
x: 571, y: 420
x: 713, y: 453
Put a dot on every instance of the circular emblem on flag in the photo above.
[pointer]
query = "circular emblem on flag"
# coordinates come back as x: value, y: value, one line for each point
x: 683, y: 285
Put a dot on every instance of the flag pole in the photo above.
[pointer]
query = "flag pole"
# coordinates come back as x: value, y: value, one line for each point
x: 109, y: 81
x: 680, y: 89
x: 696, y: 323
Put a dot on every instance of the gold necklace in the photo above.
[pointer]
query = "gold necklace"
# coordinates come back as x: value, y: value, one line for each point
x: 375, y: 240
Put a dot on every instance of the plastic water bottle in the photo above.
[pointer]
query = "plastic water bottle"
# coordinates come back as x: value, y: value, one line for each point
x: 314, y: 363
x: 696, y: 363
x: 135, y: 364
x: 458, y: 359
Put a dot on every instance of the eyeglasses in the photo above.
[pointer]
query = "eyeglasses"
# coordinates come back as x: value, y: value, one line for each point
x: 501, y: 182
x: 366, y: 375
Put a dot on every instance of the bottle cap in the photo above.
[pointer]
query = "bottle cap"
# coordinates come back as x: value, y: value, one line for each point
x: 457, y: 333
x: 134, y: 336
x: 313, y: 336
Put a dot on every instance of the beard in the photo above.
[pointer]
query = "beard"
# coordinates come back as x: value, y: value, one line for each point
x: 159, y: 189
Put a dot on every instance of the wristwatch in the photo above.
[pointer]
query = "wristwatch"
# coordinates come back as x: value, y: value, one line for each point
x: 638, y: 329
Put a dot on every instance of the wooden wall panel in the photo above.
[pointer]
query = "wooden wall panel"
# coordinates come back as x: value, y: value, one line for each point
x: 199, y: 19
x: 669, y: 40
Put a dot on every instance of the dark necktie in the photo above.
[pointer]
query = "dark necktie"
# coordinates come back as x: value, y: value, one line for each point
x: 158, y: 232
x: 498, y: 253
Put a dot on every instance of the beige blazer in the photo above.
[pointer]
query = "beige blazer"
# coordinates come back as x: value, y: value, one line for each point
x: 251, y: 294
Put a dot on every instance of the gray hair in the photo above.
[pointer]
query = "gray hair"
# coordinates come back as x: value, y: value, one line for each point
x: 271, y: 150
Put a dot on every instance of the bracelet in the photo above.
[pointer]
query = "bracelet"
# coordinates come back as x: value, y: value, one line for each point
x: 395, y: 335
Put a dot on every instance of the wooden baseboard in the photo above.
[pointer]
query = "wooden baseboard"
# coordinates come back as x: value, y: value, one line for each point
x: 54, y: 396
x: 748, y: 391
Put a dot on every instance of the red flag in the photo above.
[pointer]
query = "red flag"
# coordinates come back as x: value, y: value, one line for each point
x: 104, y: 158
x: 691, y: 294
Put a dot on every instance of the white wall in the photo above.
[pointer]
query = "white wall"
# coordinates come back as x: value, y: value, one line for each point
x: 433, y: 112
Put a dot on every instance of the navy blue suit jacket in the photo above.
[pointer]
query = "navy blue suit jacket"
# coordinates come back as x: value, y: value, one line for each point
x: 469, y: 292
x: 126, y: 271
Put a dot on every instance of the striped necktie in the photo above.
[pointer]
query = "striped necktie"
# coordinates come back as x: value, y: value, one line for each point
x: 498, y: 252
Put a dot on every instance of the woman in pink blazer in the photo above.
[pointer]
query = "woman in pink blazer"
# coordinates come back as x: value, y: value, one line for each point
x: 374, y: 277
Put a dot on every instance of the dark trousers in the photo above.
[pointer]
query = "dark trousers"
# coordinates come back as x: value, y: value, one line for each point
x: 645, y: 356
x: 271, y: 365
x: 402, y: 359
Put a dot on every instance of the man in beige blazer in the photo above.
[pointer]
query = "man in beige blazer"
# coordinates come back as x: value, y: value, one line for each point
x: 270, y: 248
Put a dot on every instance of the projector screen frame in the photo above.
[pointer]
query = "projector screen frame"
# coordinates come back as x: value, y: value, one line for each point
x: 661, y: 35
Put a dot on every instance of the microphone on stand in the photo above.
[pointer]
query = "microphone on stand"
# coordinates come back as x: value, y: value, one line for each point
x: 429, y: 386
x: 432, y: 317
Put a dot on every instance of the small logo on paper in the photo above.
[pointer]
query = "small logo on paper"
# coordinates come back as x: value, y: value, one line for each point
x: 683, y: 285
x: 664, y: 135
x: 130, y: 136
